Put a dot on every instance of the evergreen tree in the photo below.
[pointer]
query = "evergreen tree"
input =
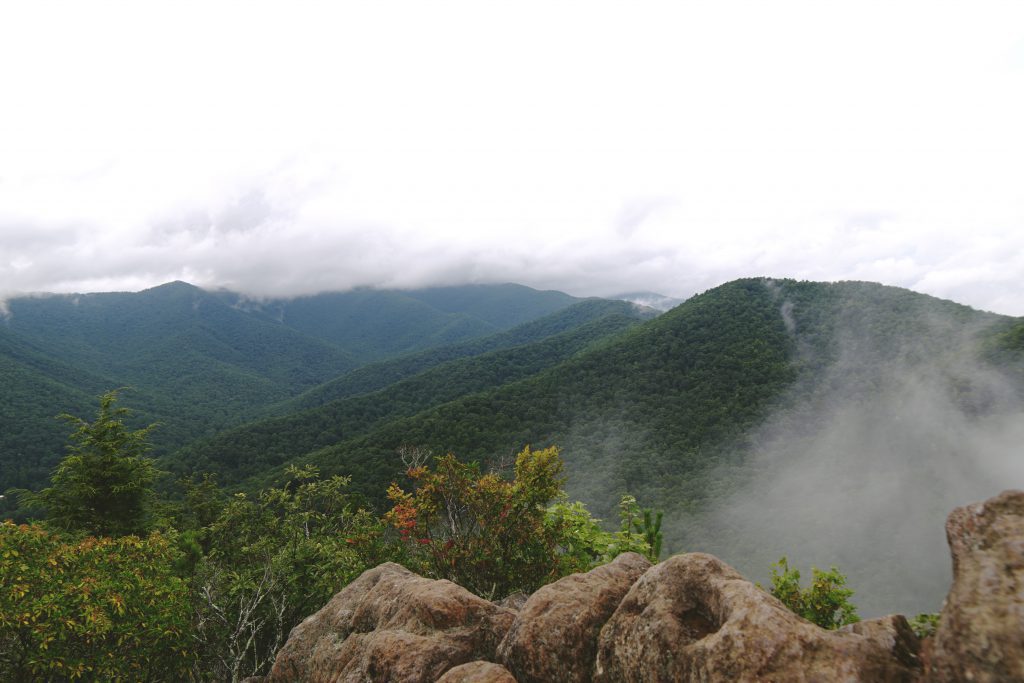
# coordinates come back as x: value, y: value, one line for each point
x: 104, y: 487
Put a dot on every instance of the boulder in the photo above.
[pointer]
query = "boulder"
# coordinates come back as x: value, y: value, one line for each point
x: 694, y: 618
x: 478, y: 672
x: 980, y: 636
x: 392, y: 625
x: 894, y: 635
x: 554, y: 635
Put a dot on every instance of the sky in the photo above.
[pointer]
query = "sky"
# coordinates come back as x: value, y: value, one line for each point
x: 283, y: 149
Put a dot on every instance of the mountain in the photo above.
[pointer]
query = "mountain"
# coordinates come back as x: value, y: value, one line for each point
x: 179, y: 340
x: 829, y: 422
x: 199, y: 362
x: 833, y: 422
x: 503, y: 306
x: 379, y: 375
x: 36, y: 387
x: 381, y: 393
x: 374, y: 324
x: 688, y: 380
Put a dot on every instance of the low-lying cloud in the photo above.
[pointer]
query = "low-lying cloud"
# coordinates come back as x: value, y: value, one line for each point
x: 294, y: 230
x: 864, y: 466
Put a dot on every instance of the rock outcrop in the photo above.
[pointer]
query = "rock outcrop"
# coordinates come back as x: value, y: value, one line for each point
x: 554, y: 636
x: 694, y: 618
x: 892, y: 634
x: 392, y: 625
x: 478, y: 672
x: 980, y: 636
x: 689, y: 618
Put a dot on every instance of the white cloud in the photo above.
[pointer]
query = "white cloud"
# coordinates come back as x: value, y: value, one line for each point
x: 596, y: 148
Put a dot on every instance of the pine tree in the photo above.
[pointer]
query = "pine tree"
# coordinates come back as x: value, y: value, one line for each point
x: 104, y: 487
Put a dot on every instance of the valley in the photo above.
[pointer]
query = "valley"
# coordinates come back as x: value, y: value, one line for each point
x: 835, y: 423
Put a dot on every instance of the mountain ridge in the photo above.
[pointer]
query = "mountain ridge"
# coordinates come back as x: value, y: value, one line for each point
x: 196, y: 361
x: 693, y: 410
x: 765, y: 416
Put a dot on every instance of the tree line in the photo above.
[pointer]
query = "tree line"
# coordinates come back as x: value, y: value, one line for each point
x: 116, y: 583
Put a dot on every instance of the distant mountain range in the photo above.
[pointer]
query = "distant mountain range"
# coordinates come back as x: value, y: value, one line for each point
x: 836, y: 423
x: 199, y: 362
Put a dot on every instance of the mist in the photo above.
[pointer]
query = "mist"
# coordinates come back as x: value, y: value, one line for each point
x: 869, y: 456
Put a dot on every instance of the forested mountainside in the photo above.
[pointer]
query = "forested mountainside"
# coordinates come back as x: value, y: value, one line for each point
x: 379, y: 375
x: 199, y: 362
x: 412, y: 385
x: 766, y: 417
x: 692, y: 380
x: 839, y: 408
x: 374, y: 324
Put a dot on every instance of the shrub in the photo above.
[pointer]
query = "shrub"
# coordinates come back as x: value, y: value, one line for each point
x: 584, y: 544
x: 99, y: 608
x: 825, y: 602
x: 924, y: 625
x: 272, y: 562
x: 496, y: 536
x: 486, y: 533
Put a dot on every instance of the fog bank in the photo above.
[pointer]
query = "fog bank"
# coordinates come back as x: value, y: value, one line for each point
x: 868, y: 458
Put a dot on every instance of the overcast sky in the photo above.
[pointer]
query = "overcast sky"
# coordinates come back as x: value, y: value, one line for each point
x: 594, y: 148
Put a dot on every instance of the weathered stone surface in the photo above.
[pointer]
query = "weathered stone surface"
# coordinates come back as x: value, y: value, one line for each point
x: 478, y: 672
x: 694, y: 618
x: 514, y: 601
x: 980, y: 636
x: 392, y: 625
x: 893, y: 634
x: 554, y: 636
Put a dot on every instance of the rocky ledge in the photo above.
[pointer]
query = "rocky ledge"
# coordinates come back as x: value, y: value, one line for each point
x: 689, y: 618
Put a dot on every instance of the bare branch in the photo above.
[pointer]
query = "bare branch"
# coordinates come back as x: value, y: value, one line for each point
x: 413, y: 456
